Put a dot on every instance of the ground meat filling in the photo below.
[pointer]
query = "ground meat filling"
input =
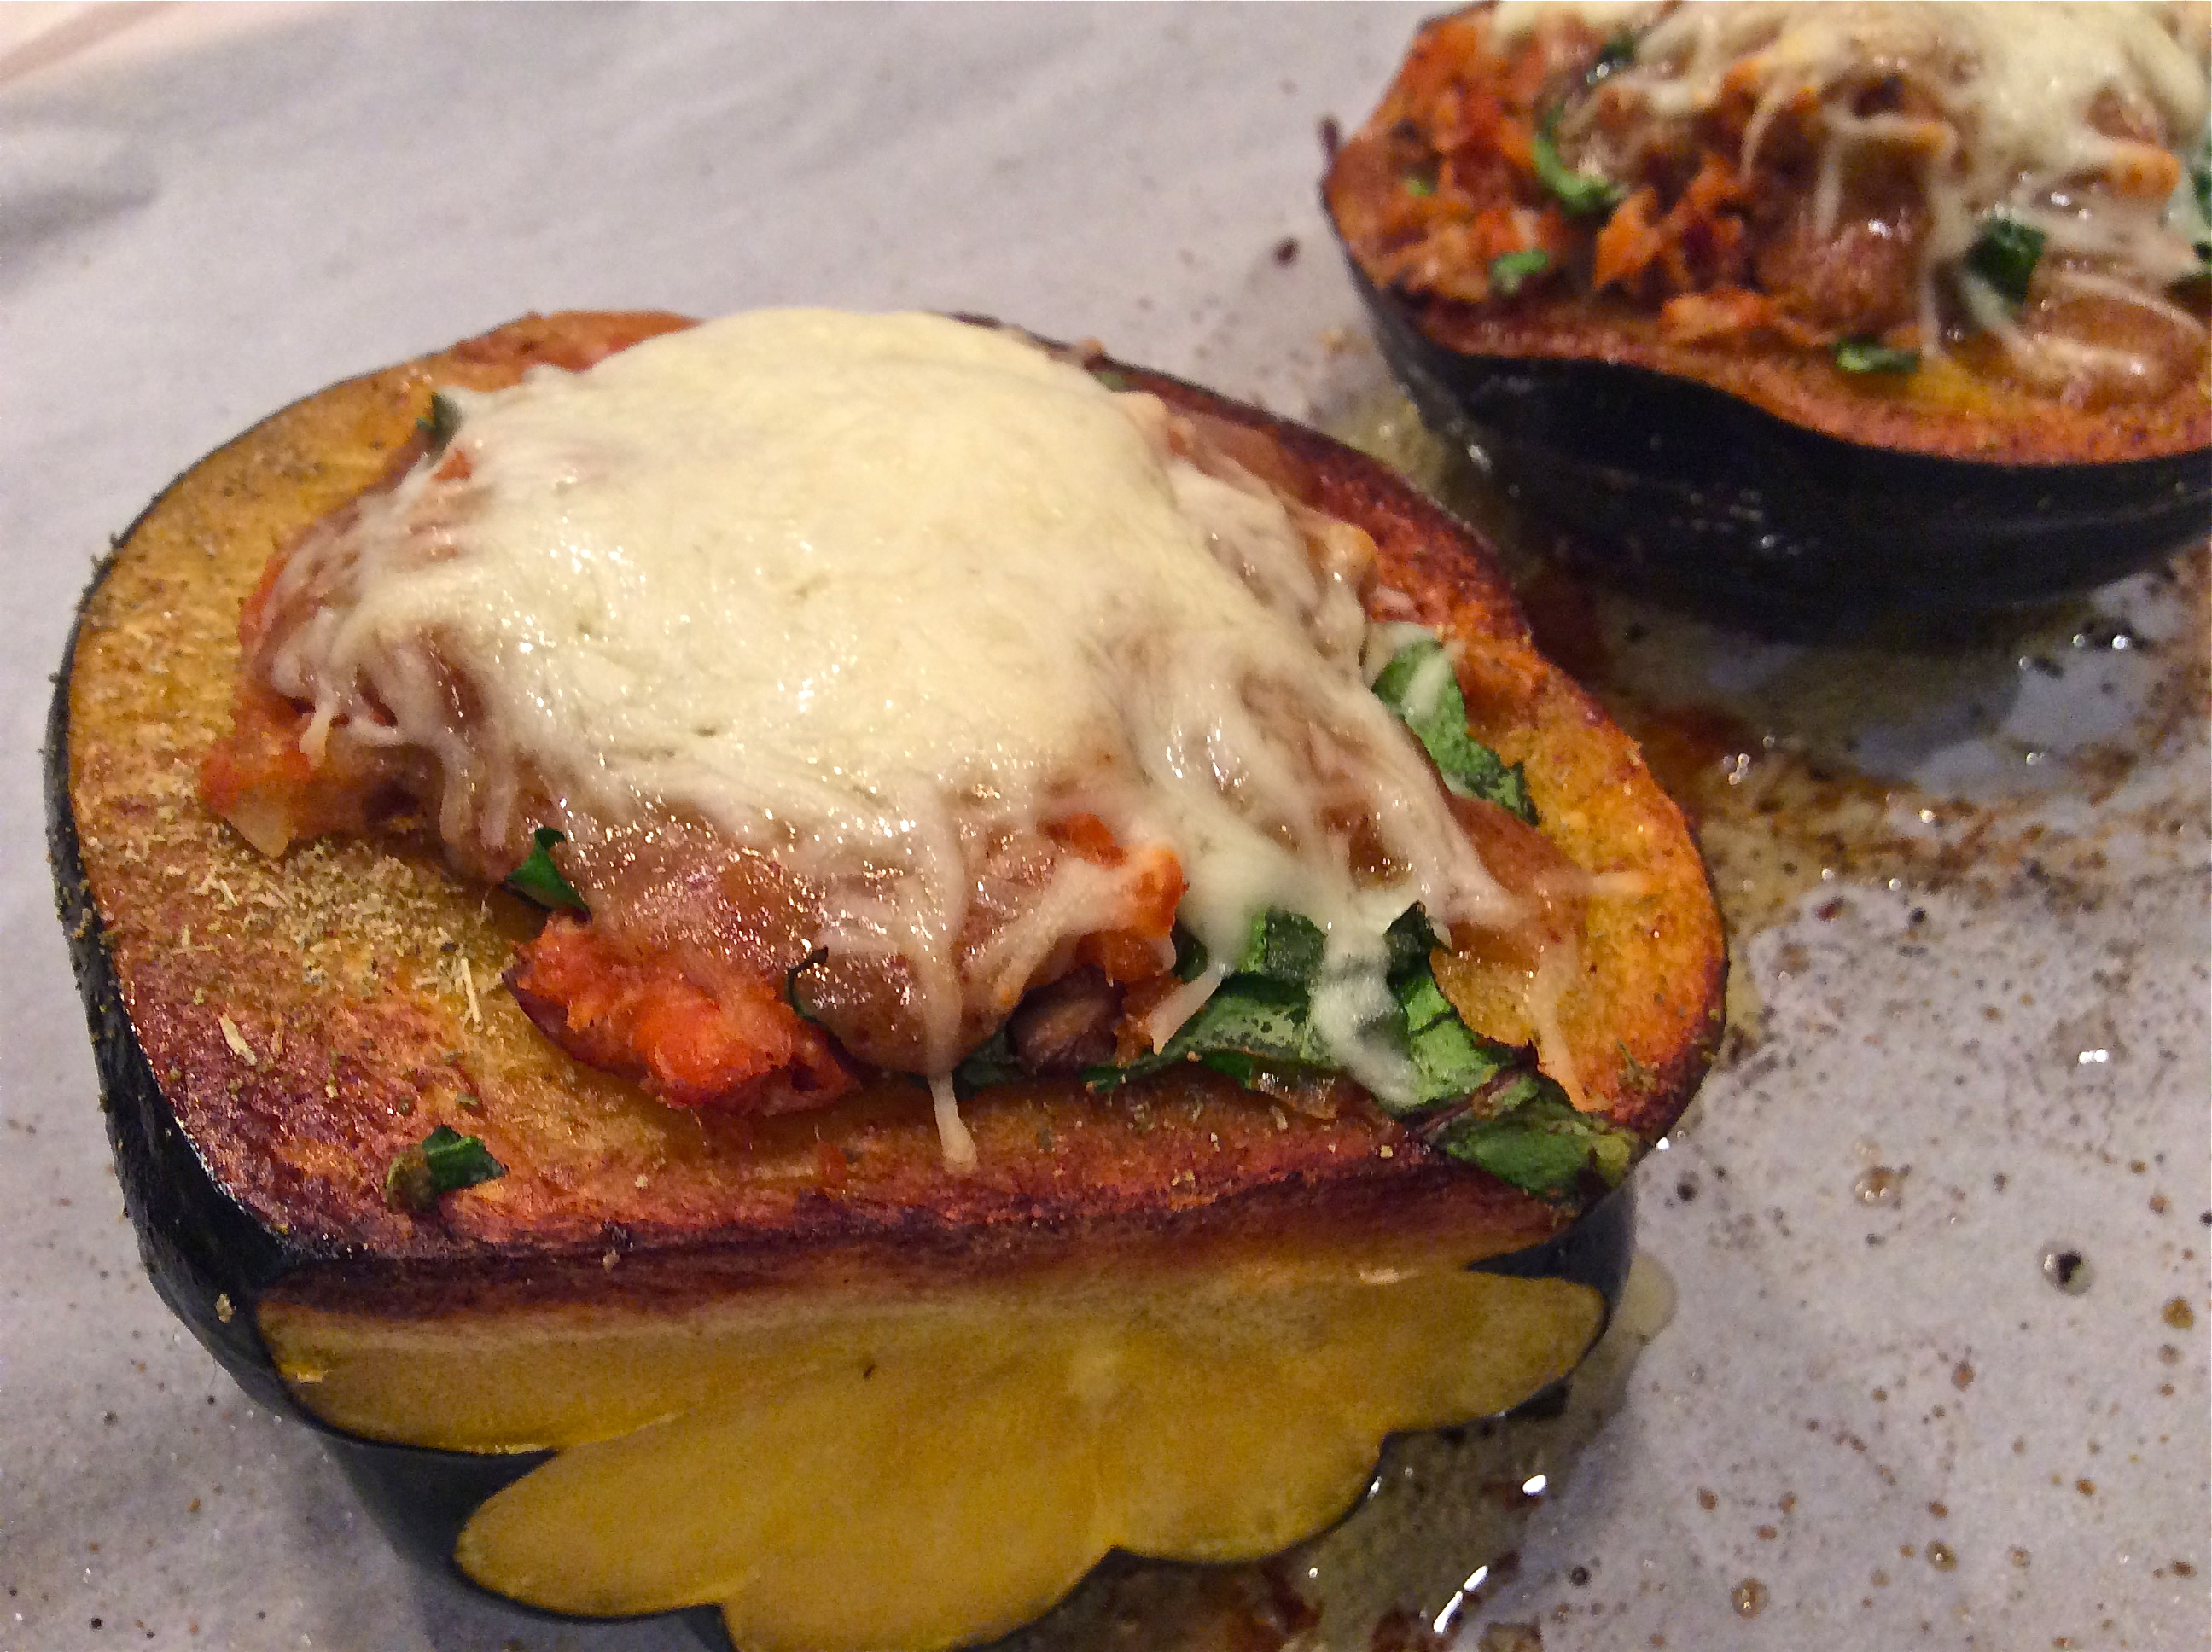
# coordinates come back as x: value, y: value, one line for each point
x: 1747, y: 221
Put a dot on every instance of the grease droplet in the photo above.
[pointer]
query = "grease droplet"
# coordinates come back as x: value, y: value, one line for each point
x: 1749, y: 1598
x: 1879, y: 1186
x: 1941, y: 1557
x: 2177, y: 1312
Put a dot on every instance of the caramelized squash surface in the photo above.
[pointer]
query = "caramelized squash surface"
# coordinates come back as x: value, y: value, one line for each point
x: 1183, y: 1316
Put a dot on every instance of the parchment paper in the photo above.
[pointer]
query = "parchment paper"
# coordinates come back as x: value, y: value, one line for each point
x: 1879, y: 1411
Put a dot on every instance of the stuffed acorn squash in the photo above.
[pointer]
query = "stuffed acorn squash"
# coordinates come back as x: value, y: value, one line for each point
x: 1822, y: 313
x: 627, y: 1281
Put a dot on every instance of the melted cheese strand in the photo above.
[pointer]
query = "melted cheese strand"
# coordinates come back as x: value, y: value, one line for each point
x: 953, y: 1141
x: 864, y: 592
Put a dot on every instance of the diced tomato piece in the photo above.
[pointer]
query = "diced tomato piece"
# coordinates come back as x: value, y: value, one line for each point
x: 1123, y: 954
x: 256, y: 778
x: 1088, y: 836
x: 741, y: 1047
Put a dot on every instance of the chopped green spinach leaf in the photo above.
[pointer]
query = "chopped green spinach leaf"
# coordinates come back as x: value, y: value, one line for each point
x: 1284, y: 947
x: 1872, y: 356
x: 443, y: 1162
x: 1476, y: 1101
x: 1583, y: 193
x: 1190, y: 954
x: 1234, y: 1063
x: 1420, y: 685
x: 1510, y: 271
x: 1410, y: 939
x: 1450, y: 1060
x: 438, y: 425
x: 2006, y: 255
x: 990, y: 1062
x: 1531, y: 1136
x: 539, y: 879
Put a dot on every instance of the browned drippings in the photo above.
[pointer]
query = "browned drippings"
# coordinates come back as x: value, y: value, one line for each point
x: 1794, y: 764
x: 1773, y: 778
x: 1786, y: 800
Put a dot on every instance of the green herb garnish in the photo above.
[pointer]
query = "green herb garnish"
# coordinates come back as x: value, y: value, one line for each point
x: 1450, y: 1060
x: 443, y: 1162
x: 1112, y: 378
x: 1533, y: 1138
x: 1615, y: 55
x: 1419, y: 686
x: 1261, y: 1023
x: 1409, y: 940
x: 1510, y: 271
x: 1190, y: 954
x: 1581, y: 193
x: 1872, y: 356
x: 1419, y: 183
x: 437, y: 426
x: 539, y: 879
x: 1474, y: 1100
x: 1284, y: 948
x: 2006, y: 255
x: 990, y: 1062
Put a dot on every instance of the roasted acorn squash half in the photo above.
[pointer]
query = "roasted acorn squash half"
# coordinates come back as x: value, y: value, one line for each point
x: 1815, y: 466
x: 794, y: 1368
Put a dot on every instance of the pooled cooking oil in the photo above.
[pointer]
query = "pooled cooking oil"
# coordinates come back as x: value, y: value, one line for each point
x: 2034, y: 745
x: 1421, y: 1556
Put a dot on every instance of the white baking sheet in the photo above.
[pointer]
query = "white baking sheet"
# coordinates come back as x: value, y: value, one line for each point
x: 204, y: 214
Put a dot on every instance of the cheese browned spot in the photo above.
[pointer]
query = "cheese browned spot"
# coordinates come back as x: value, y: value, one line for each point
x: 876, y: 670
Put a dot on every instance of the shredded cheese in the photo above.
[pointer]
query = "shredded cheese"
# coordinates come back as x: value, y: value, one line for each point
x: 867, y: 594
x: 2065, y: 117
x: 953, y: 1140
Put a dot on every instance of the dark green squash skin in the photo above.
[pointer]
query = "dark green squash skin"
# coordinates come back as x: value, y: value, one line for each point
x: 210, y: 1262
x: 1676, y: 488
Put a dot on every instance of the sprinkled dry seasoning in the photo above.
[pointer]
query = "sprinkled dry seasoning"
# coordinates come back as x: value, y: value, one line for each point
x: 236, y: 1039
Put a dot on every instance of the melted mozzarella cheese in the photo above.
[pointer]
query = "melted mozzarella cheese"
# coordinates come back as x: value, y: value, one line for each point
x: 846, y: 587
